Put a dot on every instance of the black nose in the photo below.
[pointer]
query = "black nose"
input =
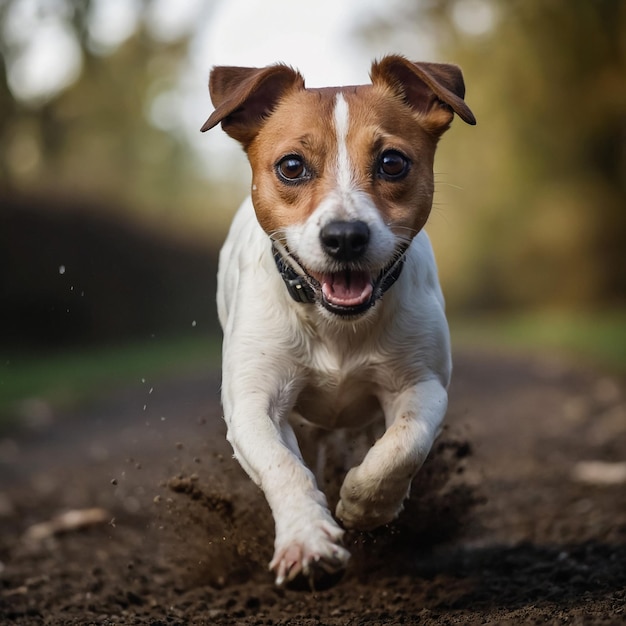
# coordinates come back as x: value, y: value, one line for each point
x: 345, y: 241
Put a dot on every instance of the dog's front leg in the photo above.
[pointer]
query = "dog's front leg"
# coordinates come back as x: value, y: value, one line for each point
x: 373, y: 492
x: 266, y: 446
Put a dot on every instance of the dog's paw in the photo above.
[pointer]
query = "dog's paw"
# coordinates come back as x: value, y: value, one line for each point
x: 314, y: 547
x: 365, y: 505
x: 355, y: 516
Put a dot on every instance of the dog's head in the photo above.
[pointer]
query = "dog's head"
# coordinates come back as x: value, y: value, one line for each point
x: 342, y: 176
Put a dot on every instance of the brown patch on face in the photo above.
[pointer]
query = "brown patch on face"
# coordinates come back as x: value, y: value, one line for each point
x: 303, y: 127
x: 380, y: 123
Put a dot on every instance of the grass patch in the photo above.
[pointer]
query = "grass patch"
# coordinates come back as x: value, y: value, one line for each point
x: 67, y: 379
x: 597, y: 338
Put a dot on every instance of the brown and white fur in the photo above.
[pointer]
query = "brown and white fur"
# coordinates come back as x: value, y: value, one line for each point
x: 342, y: 184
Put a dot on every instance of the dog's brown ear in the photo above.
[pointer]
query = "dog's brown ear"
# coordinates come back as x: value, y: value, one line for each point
x: 244, y: 96
x: 435, y: 90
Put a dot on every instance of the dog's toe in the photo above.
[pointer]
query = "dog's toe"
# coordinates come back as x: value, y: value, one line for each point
x: 318, y: 579
x: 286, y: 564
x: 314, y: 551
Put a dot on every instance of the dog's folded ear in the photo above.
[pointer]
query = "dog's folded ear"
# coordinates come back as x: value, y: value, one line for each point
x: 244, y: 96
x: 435, y: 90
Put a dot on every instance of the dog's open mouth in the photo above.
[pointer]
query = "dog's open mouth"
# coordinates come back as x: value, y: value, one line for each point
x: 349, y: 289
x: 348, y: 292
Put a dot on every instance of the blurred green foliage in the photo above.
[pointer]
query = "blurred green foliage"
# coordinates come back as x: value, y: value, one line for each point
x: 90, y: 183
x: 94, y: 139
x: 530, y: 210
x: 531, y: 204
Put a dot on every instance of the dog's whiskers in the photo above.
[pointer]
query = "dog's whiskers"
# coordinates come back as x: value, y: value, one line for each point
x: 278, y: 235
x: 279, y: 239
x: 411, y: 232
x: 442, y: 182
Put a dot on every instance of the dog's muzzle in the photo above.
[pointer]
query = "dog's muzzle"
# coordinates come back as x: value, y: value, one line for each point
x: 306, y: 289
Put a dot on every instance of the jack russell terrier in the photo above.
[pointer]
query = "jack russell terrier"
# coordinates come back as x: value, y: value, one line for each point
x: 328, y: 293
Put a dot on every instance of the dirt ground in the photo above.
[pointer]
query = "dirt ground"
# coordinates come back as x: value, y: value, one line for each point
x: 508, y: 523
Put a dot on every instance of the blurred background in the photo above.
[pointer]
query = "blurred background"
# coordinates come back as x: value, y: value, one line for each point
x: 113, y: 205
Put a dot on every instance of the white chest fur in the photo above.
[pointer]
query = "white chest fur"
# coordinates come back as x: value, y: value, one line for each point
x: 345, y: 393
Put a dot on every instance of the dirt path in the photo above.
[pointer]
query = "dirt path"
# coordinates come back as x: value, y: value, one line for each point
x: 505, y: 524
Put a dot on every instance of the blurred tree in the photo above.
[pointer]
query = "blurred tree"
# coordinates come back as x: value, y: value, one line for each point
x: 544, y: 173
x: 83, y: 171
x: 95, y: 137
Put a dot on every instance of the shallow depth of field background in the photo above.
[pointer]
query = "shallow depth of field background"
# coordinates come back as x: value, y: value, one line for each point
x: 113, y: 205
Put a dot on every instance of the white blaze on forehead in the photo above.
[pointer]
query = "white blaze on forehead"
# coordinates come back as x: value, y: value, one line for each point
x: 344, y: 201
x: 344, y: 166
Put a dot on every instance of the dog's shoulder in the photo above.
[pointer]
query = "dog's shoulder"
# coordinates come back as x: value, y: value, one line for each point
x: 421, y: 272
x: 243, y: 237
x: 245, y: 265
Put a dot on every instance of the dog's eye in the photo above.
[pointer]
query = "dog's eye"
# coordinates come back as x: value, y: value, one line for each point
x: 292, y: 168
x: 393, y: 165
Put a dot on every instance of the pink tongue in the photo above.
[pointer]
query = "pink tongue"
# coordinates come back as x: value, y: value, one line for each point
x: 347, y: 288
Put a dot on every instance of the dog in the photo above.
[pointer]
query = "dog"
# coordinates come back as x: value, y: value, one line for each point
x: 328, y: 294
